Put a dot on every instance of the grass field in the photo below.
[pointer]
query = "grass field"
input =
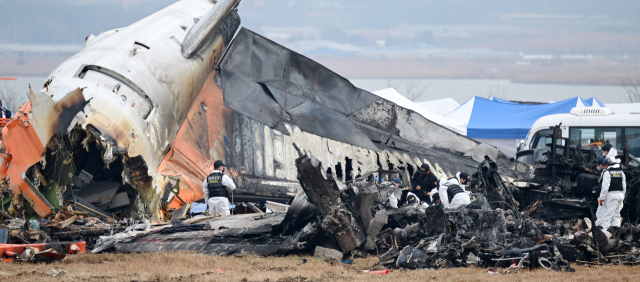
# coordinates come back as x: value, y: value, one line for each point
x: 195, y: 267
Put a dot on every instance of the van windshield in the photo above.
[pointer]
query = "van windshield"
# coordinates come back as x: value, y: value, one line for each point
x: 540, y: 140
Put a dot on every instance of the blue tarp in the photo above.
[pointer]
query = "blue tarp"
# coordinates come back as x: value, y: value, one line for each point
x: 507, y: 120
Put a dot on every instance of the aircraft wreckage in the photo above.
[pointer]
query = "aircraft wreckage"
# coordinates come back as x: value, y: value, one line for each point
x: 128, y: 128
x: 137, y: 109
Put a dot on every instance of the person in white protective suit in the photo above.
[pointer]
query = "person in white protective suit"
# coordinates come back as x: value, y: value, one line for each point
x: 610, y: 152
x: 461, y: 178
x: 217, y: 187
x: 447, y: 197
x: 611, y: 199
x: 600, y: 164
x: 453, y: 196
x: 414, y: 200
x: 397, y: 193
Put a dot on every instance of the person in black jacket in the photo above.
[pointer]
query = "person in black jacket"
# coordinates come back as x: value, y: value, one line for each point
x: 422, y: 183
x: 4, y: 112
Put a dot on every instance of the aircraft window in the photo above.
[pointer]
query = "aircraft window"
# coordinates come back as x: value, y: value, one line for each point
x: 596, y: 136
x: 128, y: 93
x: 632, y: 135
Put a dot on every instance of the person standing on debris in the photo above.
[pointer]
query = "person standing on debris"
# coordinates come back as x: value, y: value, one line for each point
x: 216, y: 189
x: 611, y: 200
x: 4, y: 112
x: 610, y: 153
x: 423, y: 182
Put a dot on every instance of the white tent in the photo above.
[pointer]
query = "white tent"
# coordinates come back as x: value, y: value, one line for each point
x: 439, y: 107
x: 395, y: 97
x: 624, y: 109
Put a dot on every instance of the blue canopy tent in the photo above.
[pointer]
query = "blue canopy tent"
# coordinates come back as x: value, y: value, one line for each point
x: 593, y: 102
x: 496, y: 99
x: 497, y: 120
x: 501, y: 123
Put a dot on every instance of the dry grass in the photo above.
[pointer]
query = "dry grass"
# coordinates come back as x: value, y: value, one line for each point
x: 196, y: 267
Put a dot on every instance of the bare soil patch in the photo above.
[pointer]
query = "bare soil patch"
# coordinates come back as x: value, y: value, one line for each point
x: 188, y: 266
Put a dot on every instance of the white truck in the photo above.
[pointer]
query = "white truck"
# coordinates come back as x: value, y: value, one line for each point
x: 584, y: 127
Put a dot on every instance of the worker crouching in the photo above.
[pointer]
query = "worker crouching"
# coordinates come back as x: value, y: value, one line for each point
x: 452, y: 193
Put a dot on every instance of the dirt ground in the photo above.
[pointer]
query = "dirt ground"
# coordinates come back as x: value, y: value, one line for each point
x: 195, y: 267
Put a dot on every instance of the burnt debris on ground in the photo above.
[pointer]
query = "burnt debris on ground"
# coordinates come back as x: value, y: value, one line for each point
x: 543, y: 221
x: 308, y: 150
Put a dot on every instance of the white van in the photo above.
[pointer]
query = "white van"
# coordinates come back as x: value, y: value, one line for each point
x: 587, y: 126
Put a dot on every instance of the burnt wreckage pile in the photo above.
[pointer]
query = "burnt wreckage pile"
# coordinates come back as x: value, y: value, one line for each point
x: 502, y: 227
x: 542, y: 221
x: 95, y: 187
x: 485, y: 233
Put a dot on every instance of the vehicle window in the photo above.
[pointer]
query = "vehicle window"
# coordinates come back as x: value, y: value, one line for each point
x: 595, y: 135
x: 632, y: 135
x: 540, y: 139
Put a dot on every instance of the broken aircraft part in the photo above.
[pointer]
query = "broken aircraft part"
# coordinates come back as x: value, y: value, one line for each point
x: 163, y: 128
x: 117, y: 135
x: 116, y: 107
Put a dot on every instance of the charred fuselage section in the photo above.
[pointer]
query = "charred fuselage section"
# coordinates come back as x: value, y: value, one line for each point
x: 83, y: 169
x: 107, y: 116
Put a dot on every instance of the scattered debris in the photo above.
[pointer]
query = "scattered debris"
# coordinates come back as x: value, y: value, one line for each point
x: 57, y: 273
x: 73, y: 179
x: 328, y: 254
x: 41, y: 252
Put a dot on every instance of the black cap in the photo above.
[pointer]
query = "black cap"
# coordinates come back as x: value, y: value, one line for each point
x: 411, y: 199
x: 464, y: 175
x: 218, y: 163
x: 425, y: 167
x: 435, y: 196
x: 606, y: 147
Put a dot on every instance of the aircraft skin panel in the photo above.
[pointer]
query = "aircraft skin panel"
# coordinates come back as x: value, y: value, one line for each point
x: 253, y: 147
x: 396, y: 138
